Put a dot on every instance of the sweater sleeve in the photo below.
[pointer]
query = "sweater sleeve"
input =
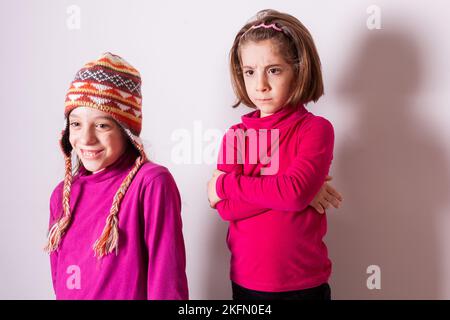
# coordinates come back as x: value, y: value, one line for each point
x: 231, y: 210
x: 294, y: 189
x: 55, y: 213
x: 230, y: 158
x: 163, y: 235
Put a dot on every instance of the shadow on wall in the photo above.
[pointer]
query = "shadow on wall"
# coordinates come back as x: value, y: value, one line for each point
x: 394, y: 175
x: 218, y: 285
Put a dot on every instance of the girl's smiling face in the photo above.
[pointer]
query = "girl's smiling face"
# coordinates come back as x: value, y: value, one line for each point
x: 267, y: 76
x: 96, y: 138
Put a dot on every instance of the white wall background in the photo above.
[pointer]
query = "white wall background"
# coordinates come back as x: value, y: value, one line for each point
x: 387, y: 93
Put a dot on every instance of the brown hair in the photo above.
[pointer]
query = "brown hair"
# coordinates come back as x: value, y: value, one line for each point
x: 298, y: 49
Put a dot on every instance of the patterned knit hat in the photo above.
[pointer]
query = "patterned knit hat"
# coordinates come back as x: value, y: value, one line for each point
x: 112, y: 85
x: 109, y: 84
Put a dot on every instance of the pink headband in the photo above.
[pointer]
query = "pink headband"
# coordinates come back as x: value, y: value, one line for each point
x: 262, y: 25
x: 265, y: 26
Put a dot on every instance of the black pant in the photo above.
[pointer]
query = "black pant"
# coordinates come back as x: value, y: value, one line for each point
x: 322, y: 292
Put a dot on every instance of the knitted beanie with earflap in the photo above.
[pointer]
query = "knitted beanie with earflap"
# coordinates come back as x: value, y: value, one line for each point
x: 112, y: 85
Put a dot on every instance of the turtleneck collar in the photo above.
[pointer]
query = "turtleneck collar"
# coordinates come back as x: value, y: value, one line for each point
x: 123, y: 163
x: 279, y: 119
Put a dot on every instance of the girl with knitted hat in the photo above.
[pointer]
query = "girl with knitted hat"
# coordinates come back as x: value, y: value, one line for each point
x: 275, y: 204
x: 115, y: 221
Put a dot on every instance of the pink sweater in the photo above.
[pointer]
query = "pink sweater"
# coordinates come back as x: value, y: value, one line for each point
x: 275, y: 237
x: 151, y: 259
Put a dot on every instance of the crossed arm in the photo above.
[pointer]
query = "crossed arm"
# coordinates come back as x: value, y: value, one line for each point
x: 237, y: 196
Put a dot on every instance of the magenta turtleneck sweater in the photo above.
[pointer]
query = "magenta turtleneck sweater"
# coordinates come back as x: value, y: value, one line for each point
x: 151, y: 259
x: 275, y: 237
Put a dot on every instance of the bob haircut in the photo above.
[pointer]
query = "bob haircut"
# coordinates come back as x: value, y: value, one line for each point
x: 296, y: 45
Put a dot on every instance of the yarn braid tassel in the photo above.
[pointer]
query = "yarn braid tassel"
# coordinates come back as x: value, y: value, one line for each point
x: 59, y: 227
x: 109, y: 239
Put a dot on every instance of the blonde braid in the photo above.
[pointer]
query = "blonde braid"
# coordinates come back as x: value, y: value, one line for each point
x: 109, y: 239
x: 59, y: 227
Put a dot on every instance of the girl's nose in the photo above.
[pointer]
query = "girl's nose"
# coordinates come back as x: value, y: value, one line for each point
x: 262, y: 84
x: 88, y: 136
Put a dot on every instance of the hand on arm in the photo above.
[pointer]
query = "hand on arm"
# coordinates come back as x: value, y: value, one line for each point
x: 326, y: 197
x: 230, y: 210
x: 212, y: 192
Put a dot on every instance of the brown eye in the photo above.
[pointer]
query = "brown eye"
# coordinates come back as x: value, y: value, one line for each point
x: 249, y: 73
x: 74, y: 124
x: 103, y: 126
x: 275, y: 70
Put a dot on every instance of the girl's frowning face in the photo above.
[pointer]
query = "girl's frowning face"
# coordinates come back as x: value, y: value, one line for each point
x: 96, y: 138
x: 267, y: 76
